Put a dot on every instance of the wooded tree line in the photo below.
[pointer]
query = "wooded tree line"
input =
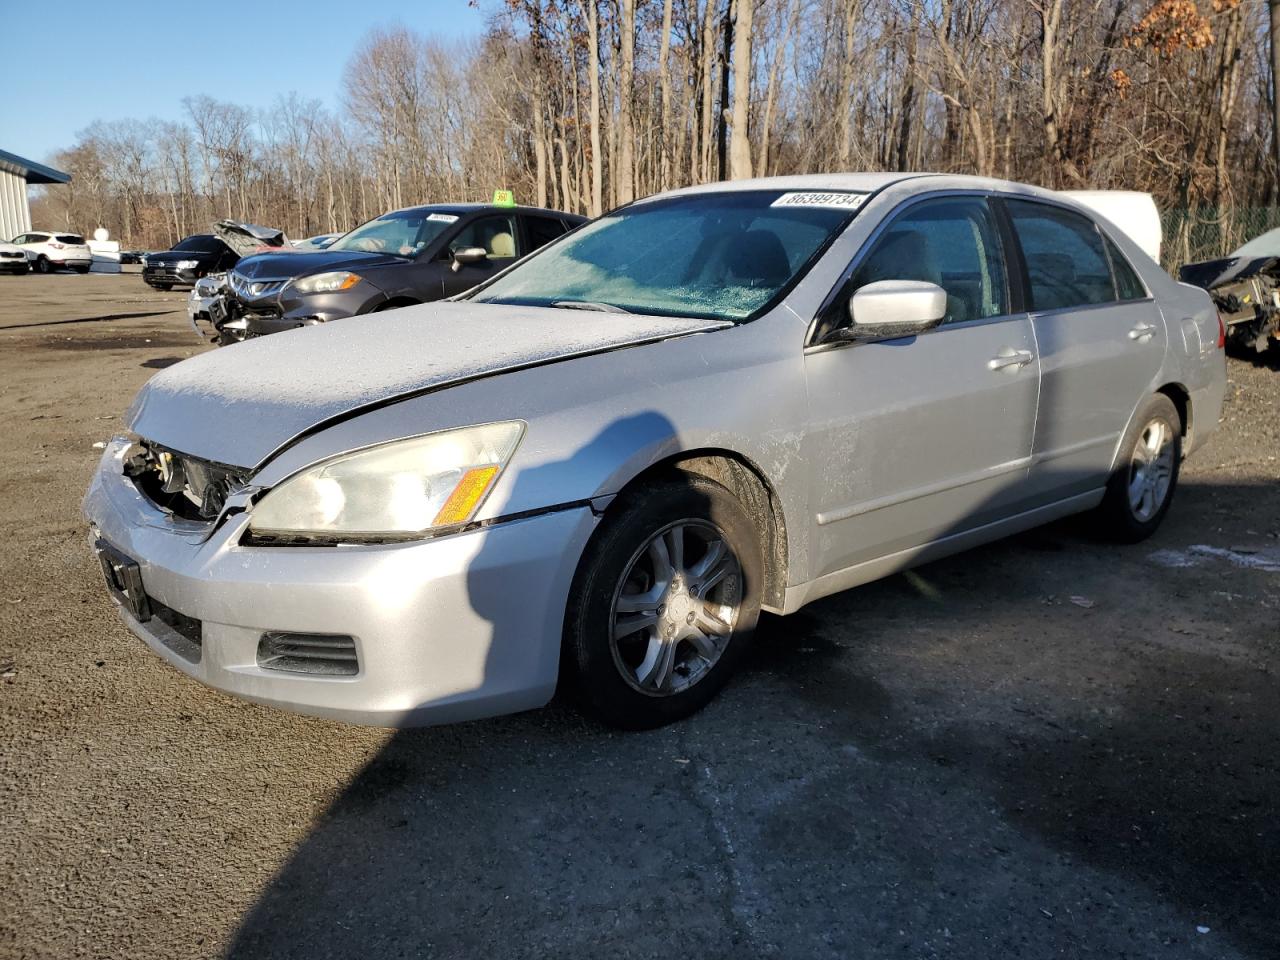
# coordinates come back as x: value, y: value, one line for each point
x: 585, y: 104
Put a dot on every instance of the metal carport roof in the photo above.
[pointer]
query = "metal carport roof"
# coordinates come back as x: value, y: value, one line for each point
x: 31, y: 171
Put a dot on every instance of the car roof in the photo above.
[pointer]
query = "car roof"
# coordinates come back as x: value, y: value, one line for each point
x: 870, y: 182
x: 463, y: 208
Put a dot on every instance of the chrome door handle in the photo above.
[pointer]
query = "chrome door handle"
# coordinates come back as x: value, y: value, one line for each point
x: 1142, y: 331
x: 1009, y: 358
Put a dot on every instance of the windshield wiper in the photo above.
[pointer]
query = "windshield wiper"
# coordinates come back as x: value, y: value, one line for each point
x: 588, y: 305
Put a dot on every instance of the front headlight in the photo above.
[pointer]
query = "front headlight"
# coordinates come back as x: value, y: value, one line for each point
x: 326, y: 282
x: 400, y: 489
x: 187, y: 264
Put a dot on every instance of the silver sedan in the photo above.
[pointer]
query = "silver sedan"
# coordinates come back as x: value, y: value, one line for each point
x: 598, y: 468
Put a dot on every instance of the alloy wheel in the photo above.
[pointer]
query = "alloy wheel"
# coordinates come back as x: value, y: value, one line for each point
x: 1151, y: 470
x: 675, y: 609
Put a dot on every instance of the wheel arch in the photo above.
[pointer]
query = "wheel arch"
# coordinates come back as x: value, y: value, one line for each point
x: 1181, y: 398
x: 748, y: 483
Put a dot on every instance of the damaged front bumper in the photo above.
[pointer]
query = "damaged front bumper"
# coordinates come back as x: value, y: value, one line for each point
x: 433, y: 631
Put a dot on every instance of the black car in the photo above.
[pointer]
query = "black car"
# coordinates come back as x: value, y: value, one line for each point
x: 188, y: 261
x: 401, y: 258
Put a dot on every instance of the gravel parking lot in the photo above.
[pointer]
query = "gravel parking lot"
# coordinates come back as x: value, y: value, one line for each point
x: 1049, y: 747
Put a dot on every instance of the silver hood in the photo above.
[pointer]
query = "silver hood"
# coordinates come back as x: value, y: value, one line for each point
x: 238, y: 405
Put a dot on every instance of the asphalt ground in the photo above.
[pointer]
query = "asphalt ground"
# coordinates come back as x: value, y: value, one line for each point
x: 1047, y: 747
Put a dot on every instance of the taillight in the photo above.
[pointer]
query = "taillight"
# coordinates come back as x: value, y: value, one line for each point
x: 1222, y: 334
x: 57, y: 246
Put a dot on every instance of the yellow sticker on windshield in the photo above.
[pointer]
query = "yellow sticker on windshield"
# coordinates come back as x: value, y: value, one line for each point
x: 841, y: 201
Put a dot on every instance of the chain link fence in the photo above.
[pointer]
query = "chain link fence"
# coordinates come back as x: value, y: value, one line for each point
x: 1207, y: 233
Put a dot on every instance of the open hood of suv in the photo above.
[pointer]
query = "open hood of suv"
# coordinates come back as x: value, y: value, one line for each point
x: 238, y: 405
x: 248, y: 238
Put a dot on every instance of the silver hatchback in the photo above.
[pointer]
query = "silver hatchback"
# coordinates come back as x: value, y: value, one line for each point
x: 597, y: 468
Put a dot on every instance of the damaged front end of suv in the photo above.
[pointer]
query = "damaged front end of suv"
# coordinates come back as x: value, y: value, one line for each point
x: 1246, y: 291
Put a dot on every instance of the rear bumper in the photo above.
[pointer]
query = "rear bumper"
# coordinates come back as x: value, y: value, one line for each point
x: 448, y: 629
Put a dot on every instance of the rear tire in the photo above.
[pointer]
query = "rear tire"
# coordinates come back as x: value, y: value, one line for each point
x: 164, y: 287
x: 82, y: 269
x: 1142, y: 485
x: 643, y: 648
x: 43, y: 265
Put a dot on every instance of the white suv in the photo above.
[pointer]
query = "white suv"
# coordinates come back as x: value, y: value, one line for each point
x: 48, y: 251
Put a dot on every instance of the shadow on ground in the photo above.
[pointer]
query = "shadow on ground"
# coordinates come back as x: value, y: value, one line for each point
x: 959, y: 761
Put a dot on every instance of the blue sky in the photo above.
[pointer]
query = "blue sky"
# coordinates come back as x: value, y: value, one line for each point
x: 68, y: 64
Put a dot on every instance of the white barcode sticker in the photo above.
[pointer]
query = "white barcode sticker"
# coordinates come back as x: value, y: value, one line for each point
x: 842, y: 201
x: 442, y: 217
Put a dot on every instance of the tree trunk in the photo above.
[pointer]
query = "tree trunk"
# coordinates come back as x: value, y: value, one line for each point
x: 1050, y: 21
x: 626, y: 171
x: 539, y: 138
x: 907, y: 106
x: 593, y: 68
x: 664, y: 80
x: 722, y: 115
x: 844, y: 104
x: 708, y: 57
x: 779, y: 54
x: 740, y: 148
x: 1274, y: 11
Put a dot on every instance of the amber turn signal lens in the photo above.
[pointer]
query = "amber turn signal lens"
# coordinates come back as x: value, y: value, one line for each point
x: 466, y: 496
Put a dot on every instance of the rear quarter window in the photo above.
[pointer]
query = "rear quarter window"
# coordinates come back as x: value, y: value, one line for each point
x: 542, y: 230
x: 71, y: 238
x: 1128, y: 285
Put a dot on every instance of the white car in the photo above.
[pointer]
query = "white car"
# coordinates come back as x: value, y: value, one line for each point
x: 312, y: 244
x: 13, y: 259
x: 48, y: 251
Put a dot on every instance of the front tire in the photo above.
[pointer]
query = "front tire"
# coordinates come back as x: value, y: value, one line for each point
x: 1145, y: 478
x: 664, y: 603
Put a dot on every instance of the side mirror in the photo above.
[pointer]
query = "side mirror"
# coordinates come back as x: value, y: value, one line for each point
x: 888, y: 309
x: 468, y: 255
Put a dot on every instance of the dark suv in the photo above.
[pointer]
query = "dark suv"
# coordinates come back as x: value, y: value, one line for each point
x: 401, y: 258
x: 188, y: 261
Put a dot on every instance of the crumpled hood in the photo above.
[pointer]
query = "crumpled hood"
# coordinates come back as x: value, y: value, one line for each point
x: 247, y: 238
x: 239, y: 404
x: 1208, y: 274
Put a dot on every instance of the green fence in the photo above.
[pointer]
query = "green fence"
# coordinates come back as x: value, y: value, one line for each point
x: 1206, y: 233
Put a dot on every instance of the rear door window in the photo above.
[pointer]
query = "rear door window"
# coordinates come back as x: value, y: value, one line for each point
x: 542, y: 230
x: 1066, y: 261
